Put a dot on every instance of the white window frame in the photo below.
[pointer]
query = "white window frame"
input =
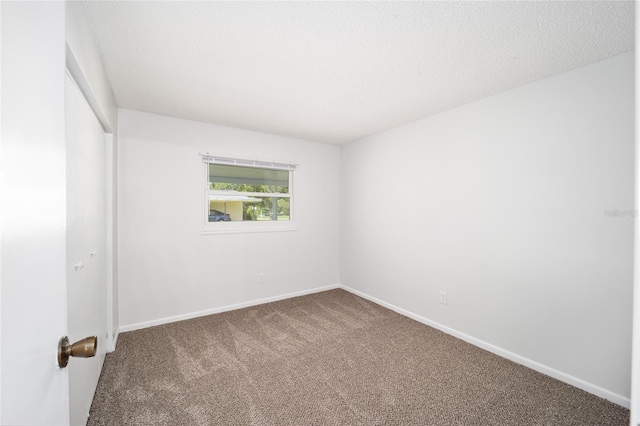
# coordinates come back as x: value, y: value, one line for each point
x: 212, y: 228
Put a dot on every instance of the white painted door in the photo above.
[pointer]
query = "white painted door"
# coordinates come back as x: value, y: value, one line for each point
x: 37, y: 254
x: 86, y: 246
x: 34, y: 391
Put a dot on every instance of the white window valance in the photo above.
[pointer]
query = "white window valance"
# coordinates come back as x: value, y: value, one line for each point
x: 208, y: 158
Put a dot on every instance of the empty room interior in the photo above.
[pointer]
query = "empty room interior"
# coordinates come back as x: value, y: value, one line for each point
x: 340, y: 213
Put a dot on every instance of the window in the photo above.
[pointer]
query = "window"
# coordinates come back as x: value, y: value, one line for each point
x: 247, y: 195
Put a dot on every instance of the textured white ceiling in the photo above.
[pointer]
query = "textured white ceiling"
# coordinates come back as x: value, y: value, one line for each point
x: 338, y: 71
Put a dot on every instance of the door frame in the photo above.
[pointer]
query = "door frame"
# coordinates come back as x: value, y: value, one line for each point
x: 635, y: 336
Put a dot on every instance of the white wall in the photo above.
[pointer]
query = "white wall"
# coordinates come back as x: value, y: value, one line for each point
x: 167, y: 268
x: 503, y: 207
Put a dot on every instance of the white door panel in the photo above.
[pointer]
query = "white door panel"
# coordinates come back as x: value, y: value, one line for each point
x: 86, y: 246
x: 34, y: 391
x: 53, y: 216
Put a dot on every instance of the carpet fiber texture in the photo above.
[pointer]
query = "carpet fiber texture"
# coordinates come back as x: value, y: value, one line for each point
x: 329, y: 358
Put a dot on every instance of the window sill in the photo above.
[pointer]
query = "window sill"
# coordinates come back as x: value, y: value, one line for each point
x: 243, y: 228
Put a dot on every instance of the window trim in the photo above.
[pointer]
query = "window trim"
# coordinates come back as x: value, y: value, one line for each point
x: 213, y: 228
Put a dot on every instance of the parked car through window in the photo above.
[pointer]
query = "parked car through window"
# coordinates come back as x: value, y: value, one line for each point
x: 218, y: 216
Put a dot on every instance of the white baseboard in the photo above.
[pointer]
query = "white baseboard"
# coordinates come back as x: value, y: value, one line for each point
x: 115, y: 341
x: 111, y: 341
x: 205, y: 312
x: 563, y: 377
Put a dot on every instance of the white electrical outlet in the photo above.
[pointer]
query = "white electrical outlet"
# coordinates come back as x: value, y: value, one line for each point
x: 443, y: 297
x: 261, y: 278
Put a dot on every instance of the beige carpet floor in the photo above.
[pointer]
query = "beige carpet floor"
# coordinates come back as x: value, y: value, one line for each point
x: 330, y: 358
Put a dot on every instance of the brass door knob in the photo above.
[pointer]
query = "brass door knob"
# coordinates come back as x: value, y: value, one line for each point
x: 85, y: 348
